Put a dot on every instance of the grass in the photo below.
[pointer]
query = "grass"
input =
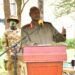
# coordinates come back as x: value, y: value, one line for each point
x: 2, y: 70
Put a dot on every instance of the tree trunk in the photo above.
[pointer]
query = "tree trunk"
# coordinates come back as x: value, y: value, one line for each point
x: 6, y: 12
x: 40, y: 5
x: 19, y: 2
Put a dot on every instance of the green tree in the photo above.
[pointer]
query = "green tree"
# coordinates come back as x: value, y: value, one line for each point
x: 64, y: 7
x: 6, y: 12
x: 20, y: 6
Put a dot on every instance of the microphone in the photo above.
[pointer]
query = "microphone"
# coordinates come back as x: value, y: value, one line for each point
x: 40, y: 22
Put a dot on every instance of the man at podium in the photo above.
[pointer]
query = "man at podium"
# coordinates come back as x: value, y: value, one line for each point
x: 39, y: 32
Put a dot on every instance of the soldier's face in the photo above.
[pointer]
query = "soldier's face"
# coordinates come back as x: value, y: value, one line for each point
x: 13, y: 25
x: 35, y: 15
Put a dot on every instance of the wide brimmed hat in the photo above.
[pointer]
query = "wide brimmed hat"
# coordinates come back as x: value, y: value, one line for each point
x: 13, y: 18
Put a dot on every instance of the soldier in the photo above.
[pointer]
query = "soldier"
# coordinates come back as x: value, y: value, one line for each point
x: 11, y: 36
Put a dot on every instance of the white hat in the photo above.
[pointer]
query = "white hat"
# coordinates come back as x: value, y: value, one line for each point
x: 14, y: 18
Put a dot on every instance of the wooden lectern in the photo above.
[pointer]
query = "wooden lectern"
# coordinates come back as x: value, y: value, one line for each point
x: 44, y: 60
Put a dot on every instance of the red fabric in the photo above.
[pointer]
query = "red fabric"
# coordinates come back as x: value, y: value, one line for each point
x: 31, y: 26
x: 44, y: 68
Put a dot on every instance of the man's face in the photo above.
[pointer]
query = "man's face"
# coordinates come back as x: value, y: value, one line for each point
x: 13, y: 25
x: 35, y: 15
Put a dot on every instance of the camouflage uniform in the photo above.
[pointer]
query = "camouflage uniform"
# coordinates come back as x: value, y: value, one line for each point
x: 10, y: 38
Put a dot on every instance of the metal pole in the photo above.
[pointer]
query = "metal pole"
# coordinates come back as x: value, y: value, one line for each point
x: 40, y: 5
x: 15, y: 61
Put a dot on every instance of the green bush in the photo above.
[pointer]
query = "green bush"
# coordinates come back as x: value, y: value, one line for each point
x: 70, y: 43
x: 1, y: 44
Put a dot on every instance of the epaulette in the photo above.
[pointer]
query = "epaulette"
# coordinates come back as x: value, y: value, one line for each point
x: 48, y: 23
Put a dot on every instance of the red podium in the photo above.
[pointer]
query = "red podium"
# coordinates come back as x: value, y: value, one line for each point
x: 44, y: 60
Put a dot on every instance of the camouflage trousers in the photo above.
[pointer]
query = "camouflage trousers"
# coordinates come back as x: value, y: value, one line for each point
x: 9, y: 66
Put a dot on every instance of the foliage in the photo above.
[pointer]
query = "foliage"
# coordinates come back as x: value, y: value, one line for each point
x: 70, y: 43
x: 1, y: 44
x: 64, y: 7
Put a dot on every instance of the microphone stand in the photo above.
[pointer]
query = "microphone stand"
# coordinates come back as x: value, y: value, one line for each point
x: 15, y: 49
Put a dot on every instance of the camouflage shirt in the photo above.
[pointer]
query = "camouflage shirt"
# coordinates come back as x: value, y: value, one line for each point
x: 11, y: 37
